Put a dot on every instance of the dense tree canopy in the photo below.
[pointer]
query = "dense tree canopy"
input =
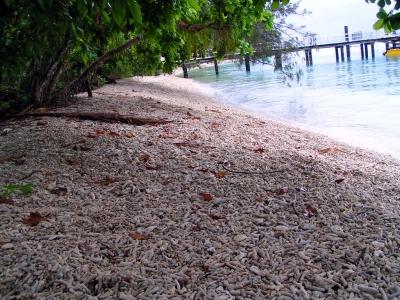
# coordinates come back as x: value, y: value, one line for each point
x: 50, y: 48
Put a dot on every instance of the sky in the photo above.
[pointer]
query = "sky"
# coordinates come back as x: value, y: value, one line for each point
x: 329, y: 17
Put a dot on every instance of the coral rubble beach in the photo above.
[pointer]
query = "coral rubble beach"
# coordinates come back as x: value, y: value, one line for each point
x: 217, y: 204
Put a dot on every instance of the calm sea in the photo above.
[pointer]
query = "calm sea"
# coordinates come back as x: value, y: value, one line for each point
x: 355, y: 101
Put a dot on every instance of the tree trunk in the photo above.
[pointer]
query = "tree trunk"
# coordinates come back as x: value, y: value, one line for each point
x: 98, y: 62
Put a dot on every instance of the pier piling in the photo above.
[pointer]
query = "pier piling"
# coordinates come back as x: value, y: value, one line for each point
x: 342, y: 53
x: 247, y: 62
x: 337, y: 53
x: 216, y: 66
x: 362, y: 50
x: 366, y: 50
x: 372, y: 50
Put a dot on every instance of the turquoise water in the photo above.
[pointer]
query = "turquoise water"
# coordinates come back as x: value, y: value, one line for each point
x: 357, y: 102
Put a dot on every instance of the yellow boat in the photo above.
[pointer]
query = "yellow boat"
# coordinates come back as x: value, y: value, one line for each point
x: 392, y: 52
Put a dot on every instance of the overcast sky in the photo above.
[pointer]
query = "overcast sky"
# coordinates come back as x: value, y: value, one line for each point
x: 329, y: 17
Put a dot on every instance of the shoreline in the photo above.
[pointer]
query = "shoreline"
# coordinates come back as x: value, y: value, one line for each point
x: 217, y: 204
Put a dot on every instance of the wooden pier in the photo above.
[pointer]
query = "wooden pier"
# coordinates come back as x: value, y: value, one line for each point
x: 339, y: 42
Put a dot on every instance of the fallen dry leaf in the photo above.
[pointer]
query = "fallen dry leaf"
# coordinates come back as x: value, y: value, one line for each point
x: 188, y: 144
x: 137, y: 236
x: 8, y: 201
x: 72, y: 161
x: 214, y: 125
x: 166, y: 182
x: 34, y: 219
x: 207, y: 197
x: 219, y: 174
x: 339, y: 180
x: 214, y: 217
x: 153, y: 167
x: 145, y: 158
x: 196, y: 228
x: 333, y: 149
x: 98, y: 131
x: 85, y: 148
x: 128, y: 134
x: 259, y: 150
x: 112, y: 133
x: 41, y: 123
x: 310, y: 211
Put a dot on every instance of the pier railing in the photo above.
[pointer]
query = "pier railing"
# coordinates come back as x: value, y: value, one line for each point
x: 350, y: 37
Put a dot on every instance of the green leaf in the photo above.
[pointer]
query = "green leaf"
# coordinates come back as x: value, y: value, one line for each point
x: 119, y: 12
x: 275, y: 5
x: 135, y: 10
x: 194, y: 4
x: 382, y: 14
x: 381, y: 3
x: 285, y: 2
x: 105, y: 16
x: 84, y: 57
x: 39, y: 19
x: 81, y: 6
x: 388, y: 2
x: 27, y: 188
x: 378, y: 24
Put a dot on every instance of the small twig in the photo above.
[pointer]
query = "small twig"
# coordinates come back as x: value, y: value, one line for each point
x: 357, y: 260
x: 29, y: 175
x: 247, y: 172
x: 295, y: 209
x: 25, y: 110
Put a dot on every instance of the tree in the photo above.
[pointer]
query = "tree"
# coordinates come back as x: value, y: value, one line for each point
x: 389, y: 21
x: 50, y: 48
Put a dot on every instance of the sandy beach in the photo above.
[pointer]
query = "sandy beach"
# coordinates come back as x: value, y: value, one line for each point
x: 216, y: 204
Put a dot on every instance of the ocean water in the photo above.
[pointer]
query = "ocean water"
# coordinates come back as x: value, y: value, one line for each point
x: 357, y: 101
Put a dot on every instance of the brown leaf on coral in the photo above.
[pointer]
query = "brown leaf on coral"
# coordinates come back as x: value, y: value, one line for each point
x: 98, y: 131
x: 310, y: 211
x: 188, y: 144
x: 112, y: 133
x: 207, y: 197
x: 219, y: 174
x: 92, y: 135
x: 8, y: 201
x: 34, y: 219
x: 259, y: 150
x: 339, y: 180
x: 333, y: 149
x: 72, y: 161
x: 166, y: 182
x: 345, y: 173
x: 145, y: 158
x: 137, y: 236
x: 153, y: 167
x: 128, y: 134
x: 41, y: 123
x: 196, y: 228
x: 85, y: 148
x: 19, y: 162
x: 214, y: 125
x: 203, y: 170
x: 214, y: 217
